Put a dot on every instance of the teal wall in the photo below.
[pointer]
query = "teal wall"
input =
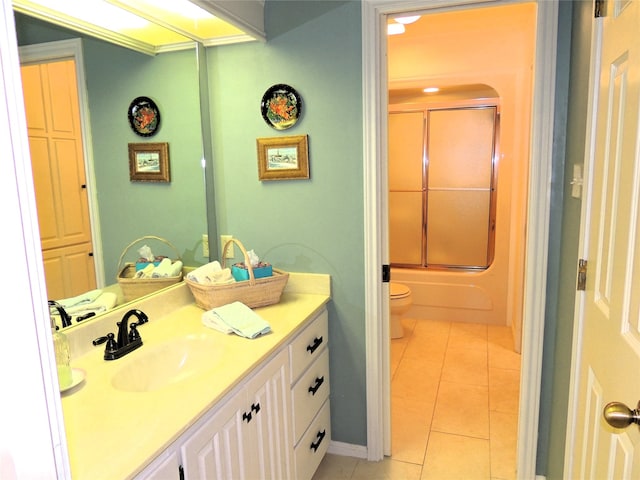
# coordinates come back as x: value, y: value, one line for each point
x: 313, y: 225
x: 129, y: 210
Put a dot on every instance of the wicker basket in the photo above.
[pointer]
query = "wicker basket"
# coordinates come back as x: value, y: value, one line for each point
x: 133, y: 288
x: 253, y: 292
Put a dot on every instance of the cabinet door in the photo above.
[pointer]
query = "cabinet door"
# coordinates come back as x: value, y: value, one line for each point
x: 218, y: 449
x: 162, y: 469
x: 269, y: 395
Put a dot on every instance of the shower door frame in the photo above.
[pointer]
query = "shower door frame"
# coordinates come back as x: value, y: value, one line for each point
x: 426, y: 108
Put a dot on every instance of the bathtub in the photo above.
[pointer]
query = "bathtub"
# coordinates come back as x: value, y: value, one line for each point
x: 461, y: 296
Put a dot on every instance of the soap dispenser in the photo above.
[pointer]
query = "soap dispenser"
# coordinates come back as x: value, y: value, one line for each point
x: 63, y: 356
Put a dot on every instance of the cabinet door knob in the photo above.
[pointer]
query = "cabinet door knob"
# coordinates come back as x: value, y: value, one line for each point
x: 320, y: 437
x: 246, y: 416
x: 316, y: 343
x: 313, y: 389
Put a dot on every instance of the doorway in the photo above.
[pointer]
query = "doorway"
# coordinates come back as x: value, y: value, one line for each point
x: 459, y: 329
x: 537, y: 214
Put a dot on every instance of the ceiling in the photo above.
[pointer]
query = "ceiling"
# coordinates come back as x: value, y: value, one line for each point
x: 147, y: 26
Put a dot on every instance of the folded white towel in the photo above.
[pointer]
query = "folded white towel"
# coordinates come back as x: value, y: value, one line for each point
x: 211, y: 273
x: 236, y: 317
x: 85, y: 298
x: 106, y: 301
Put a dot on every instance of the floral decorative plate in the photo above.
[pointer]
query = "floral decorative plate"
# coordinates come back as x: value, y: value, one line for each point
x: 144, y: 116
x: 281, y: 107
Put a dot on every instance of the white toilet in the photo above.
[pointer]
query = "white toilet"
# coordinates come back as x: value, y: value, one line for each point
x: 399, y: 302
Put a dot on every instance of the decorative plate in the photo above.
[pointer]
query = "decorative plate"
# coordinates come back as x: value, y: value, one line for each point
x: 144, y: 116
x: 281, y: 107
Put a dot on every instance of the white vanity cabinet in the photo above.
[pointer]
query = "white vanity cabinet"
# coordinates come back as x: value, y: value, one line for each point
x: 275, y: 425
x: 309, y: 355
x: 248, y: 438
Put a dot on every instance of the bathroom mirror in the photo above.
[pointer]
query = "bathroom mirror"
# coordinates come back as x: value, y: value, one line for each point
x: 128, y: 210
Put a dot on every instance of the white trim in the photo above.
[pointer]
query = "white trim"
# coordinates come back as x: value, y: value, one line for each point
x: 347, y: 449
x: 373, y: 13
x: 51, y: 51
x: 32, y: 438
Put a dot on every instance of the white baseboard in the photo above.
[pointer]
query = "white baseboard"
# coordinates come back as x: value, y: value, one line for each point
x: 541, y: 477
x: 347, y: 449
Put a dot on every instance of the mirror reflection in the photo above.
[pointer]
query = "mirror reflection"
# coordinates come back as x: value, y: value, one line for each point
x: 89, y: 209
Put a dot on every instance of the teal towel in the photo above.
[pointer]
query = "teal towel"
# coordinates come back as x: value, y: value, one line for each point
x: 236, y: 317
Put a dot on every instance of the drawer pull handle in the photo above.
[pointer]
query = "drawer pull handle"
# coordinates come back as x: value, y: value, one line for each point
x: 315, y: 445
x: 246, y: 416
x: 255, y: 407
x: 314, y: 388
x: 316, y: 343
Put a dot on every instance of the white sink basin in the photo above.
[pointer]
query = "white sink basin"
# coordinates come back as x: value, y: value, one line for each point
x: 161, y: 365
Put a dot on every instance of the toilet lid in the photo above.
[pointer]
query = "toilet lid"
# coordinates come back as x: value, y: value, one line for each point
x: 399, y: 290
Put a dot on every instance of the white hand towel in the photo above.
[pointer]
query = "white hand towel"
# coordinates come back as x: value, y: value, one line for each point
x: 238, y: 318
x: 211, y: 273
x: 85, y: 298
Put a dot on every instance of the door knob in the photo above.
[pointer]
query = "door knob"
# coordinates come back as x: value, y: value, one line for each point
x: 618, y: 415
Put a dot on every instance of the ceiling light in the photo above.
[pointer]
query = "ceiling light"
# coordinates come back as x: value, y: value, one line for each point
x: 407, y: 20
x: 431, y: 90
x: 395, y: 29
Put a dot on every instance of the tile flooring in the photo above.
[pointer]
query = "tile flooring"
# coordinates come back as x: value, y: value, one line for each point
x: 454, y: 407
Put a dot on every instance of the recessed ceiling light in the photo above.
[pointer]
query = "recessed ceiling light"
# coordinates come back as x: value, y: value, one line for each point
x: 395, y: 29
x: 407, y: 20
x: 431, y: 90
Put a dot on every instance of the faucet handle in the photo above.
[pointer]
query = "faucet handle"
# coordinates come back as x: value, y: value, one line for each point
x: 133, y: 332
x: 111, y: 345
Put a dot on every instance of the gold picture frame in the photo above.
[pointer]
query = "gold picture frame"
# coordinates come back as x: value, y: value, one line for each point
x: 283, y: 158
x: 149, y: 162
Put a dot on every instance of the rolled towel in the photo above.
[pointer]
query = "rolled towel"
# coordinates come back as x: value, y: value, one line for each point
x: 211, y: 273
x: 162, y: 270
x: 145, y: 272
x: 176, y: 268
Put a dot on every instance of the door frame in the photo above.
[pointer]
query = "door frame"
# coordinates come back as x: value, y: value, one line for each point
x: 374, y: 14
x: 72, y: 49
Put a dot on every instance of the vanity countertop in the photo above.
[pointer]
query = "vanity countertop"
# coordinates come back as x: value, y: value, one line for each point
x: 113, y: 433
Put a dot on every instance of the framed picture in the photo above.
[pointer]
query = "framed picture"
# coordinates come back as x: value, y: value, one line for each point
x: 283, y: 158
x: 149, y: 162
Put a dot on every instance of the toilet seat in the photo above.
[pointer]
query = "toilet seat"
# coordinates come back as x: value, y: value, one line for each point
x: 398, y: 290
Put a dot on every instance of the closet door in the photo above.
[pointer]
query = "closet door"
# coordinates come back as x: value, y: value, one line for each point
x: 55, y: 140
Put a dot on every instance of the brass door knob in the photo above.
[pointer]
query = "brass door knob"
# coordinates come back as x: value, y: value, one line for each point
x: 618, y: 415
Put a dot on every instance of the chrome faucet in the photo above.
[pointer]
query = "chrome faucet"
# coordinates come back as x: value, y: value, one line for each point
x: 128, y: 336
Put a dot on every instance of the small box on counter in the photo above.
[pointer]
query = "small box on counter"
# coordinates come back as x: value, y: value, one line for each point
x: 240, y: 272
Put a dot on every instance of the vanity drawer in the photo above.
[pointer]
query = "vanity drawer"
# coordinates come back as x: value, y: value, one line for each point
x: 309, y: 344
x: 309, y: 393
x: 311, y: 449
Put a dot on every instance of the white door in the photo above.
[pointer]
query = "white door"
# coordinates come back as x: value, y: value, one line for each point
x: 607, y: 353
